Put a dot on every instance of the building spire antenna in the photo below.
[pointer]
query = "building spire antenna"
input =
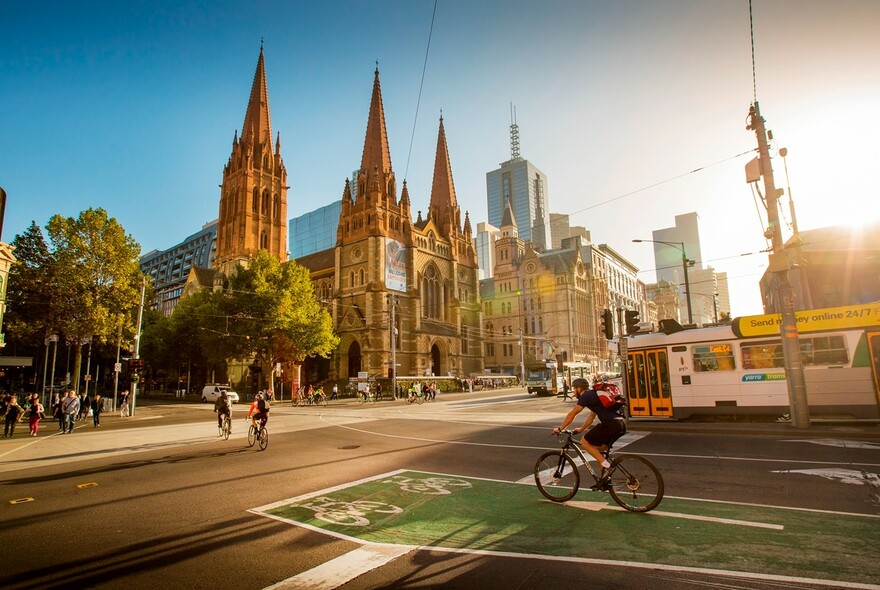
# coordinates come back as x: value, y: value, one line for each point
x: 514, y: 134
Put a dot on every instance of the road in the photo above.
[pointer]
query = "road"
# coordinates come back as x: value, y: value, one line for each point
x: 159, y: 498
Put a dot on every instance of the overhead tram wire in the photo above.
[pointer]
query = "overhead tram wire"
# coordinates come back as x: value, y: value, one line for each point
x: 656, y: 184
x: 419, y: 99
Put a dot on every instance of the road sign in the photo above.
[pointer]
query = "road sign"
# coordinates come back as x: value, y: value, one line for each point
x: 117, y: 368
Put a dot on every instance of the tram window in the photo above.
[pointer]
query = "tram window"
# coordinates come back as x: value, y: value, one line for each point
x: 762, y: 355
x: 824, y: 350
x: 713, y: 357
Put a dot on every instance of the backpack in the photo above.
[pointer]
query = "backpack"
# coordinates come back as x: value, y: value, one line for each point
x: 610, y: 396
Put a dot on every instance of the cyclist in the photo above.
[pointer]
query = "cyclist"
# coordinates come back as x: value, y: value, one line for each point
x: 259, y: 411
x: 223, y: 407
x: 612, y: 424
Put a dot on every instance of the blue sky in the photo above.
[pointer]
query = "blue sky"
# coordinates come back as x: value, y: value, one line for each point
x: 132, y: 106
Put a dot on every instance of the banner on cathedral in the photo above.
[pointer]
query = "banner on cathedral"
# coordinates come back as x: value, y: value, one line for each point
x: 395, y: 265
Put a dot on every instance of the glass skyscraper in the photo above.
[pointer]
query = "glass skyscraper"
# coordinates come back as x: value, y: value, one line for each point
x: 314, y: 231
x: 526, y: 186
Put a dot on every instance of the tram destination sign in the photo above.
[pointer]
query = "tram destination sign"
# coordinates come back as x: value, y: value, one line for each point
x: 864, y: 315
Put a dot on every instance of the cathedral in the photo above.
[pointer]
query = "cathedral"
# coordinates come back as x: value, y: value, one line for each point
x: 400, y: 292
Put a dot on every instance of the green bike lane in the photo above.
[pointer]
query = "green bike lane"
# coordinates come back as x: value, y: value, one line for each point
x: 447, y: 512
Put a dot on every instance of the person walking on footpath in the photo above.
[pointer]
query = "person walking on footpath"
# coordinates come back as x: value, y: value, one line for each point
x: 85, y: 404
x: 35, y: 415
x: 123, y: 404
x: 56, y: 410
x: 97, y: 408
x: 70, y: 408
x: 14, y: 413
x: 335, y: 391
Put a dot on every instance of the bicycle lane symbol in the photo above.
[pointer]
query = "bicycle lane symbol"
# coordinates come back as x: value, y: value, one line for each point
x: 356, y: 513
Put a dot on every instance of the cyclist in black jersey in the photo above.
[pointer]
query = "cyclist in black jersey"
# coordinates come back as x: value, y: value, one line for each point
x: 612, y: 424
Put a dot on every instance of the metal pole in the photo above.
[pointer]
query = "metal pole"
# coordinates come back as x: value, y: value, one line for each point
x: 715, y: 305
x: 45, y: 368
x: 687, y: 283
x: 393, y: 348
x: 779, y: 265
x: 54, y: 357
x: 137, y: 344
x: 522, y: 358
x: 116, y: 367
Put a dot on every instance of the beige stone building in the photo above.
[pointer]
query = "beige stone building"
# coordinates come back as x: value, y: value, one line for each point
x: 546, y: 306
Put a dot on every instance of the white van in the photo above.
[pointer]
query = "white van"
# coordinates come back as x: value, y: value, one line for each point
x: 210, y: 393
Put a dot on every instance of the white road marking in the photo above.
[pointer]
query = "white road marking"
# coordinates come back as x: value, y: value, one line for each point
x: 850, y: 476
x: 596, y: 506
x: 831, y: 442
x: 336, y: 572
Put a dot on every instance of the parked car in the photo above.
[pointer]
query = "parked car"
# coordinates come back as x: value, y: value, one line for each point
x: 210, y: 393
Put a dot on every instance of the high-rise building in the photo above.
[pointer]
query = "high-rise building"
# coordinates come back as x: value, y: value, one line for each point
x: 522, y: 184
x: 484, y: 244
x: 314, y: 231
x: 169, y: 269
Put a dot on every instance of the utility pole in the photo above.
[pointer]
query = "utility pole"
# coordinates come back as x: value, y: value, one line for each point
x: 137, y: 343
x: 522, y: 358
x: 779, y: 266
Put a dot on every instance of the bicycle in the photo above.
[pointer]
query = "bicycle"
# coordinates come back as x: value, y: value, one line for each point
x: 320, y: 399
x: 225, y: 427
x: 632, y: 480
x: 415, y: 398
x: 366, y: 397
x: 258, y: 434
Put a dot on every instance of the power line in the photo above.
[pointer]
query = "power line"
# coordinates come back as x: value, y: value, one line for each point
x: 650, y: 186
x: 419, y: 99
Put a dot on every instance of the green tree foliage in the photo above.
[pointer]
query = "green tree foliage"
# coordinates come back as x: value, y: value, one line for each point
x: 274, y: 315
x: 29, y: 296
x: 96, y: 280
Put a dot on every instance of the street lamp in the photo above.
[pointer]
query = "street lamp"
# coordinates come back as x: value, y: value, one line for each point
x: 684, y: 264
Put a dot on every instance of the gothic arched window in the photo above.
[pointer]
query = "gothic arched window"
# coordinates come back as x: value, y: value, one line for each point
x: 264, y: 240
x: 264, y: 208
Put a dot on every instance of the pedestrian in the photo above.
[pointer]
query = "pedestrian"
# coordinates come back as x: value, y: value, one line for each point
x: 56, y: 410
x: 335, y: 391
x: 85, y: 404
x: 378, y: 390
x: 14, y: 413
x: 97, y: 408
x: 35, y: 415
x: 564, y: 390
x: 70, y: 408
x: 123, y: 404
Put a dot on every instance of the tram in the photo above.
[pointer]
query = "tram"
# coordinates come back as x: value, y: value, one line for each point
x: 739, y: 368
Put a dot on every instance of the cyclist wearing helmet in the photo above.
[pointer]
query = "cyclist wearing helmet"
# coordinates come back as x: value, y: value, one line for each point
x: 612, y: 424
x: 223, y: 408
x: 259, y: 411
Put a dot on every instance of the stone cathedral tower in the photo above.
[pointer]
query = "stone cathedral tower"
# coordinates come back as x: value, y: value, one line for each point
x: 253, y: 196
x: 435, y: 296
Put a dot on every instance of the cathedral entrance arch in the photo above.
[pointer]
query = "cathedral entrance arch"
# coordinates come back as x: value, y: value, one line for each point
x: 354, y: 359
x: 435, y: 361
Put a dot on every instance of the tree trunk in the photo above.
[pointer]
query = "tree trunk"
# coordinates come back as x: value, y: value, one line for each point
x: 77, y: 365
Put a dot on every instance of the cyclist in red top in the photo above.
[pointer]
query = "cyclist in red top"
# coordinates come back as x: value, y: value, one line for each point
x: 259, y: 410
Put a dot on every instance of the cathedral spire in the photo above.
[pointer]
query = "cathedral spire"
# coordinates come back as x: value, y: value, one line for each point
x: 376, y: 152
x: 257, y: 123
x: 444, y: 206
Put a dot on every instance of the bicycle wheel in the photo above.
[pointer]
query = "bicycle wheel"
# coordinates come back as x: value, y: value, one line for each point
x: 227, y: 428
x: 323, y: 401
x: 635, y: 483
x: 252, y: 435
x: 557, y: 476
x: 264, y: 438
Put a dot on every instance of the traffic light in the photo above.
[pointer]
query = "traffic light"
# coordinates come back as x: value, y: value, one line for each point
x: 631, y: 318
x: 607, y: 324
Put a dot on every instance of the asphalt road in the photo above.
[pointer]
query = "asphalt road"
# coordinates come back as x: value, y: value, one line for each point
x: 160, y: 499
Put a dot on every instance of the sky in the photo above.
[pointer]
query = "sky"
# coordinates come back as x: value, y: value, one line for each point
x: 635, y: 111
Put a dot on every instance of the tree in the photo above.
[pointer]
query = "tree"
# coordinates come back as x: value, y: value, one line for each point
x: 96, y: 280
x: 29, y: 294
x: 274, y: 315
